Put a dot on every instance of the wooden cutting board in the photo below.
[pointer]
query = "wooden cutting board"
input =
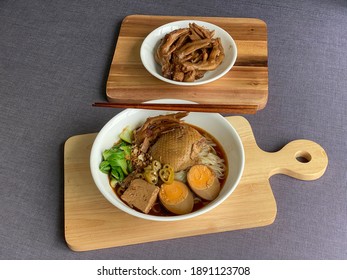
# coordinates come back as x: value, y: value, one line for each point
x: 91, y: 222
x: 245, y: 84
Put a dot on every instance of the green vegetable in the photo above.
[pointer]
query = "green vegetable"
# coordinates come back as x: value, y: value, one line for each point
x: 117, y: 159
x: 117, y: 162
x: 117, y: 173
x: 107, y: 153
x: 127, y: 135
x: 127, y: 156
x: 113, y: 182
x: 105, y: 166
x: 127, y: 151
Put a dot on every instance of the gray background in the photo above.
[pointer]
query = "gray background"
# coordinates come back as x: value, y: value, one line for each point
x: 54, y: 62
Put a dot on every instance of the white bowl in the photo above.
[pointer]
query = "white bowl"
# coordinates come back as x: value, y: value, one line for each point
x: 151, y: 43
x: 215, y: 124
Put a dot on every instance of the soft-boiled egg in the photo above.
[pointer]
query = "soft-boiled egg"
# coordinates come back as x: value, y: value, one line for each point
x: 203, y: 182
x: 176, y: 197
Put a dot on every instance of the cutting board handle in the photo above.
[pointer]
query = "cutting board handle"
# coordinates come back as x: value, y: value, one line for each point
x: 301, y: 159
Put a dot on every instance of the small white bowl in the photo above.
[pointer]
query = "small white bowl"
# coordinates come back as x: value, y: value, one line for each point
x: 151, y: 43
x: 215, y: 124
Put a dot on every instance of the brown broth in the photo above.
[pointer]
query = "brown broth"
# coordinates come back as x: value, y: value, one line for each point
x: 159, y: 210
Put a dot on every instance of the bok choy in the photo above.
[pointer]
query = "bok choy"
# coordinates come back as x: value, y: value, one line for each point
x: 117, y: 160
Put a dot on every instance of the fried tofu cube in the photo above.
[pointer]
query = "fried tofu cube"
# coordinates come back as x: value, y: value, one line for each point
x: 141, y: 195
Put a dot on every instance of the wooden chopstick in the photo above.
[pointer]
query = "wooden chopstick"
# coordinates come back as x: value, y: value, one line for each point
x: 207, y: 108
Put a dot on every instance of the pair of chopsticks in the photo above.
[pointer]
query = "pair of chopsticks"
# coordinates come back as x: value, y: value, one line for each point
x: 206, y: 108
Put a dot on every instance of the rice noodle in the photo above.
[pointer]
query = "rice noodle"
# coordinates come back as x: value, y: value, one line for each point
x: 209, y: 157
x: 181, y: 176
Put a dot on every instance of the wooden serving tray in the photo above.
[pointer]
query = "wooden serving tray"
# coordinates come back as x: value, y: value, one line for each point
x: 91, y: 222
x: 245, y: 84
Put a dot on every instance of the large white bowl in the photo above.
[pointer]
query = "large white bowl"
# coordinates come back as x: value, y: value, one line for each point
x: 215, y: 124
x: 151, y: 43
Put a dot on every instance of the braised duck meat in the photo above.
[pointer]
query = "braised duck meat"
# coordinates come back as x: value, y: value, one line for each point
x: 179, y: 147
x: 167, y: 45
x: 186, y: 54
x: 155, y: 126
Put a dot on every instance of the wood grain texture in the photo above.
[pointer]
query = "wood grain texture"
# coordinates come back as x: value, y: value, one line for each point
x: 245, y: 84
x: 91, y: 222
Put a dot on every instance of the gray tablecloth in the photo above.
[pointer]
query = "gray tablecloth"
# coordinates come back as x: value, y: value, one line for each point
x: 54, y: 62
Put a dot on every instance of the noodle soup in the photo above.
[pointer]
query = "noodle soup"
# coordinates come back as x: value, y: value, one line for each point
x: 177, y: 198
x: 166, y: 167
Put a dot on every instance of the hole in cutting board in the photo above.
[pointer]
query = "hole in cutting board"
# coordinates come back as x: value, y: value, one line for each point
x: 303, y: 157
